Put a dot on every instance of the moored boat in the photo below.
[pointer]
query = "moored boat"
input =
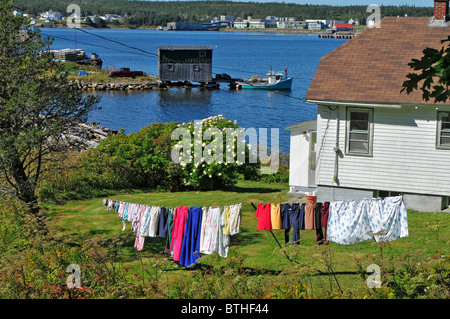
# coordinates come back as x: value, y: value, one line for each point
x: 274, y: 81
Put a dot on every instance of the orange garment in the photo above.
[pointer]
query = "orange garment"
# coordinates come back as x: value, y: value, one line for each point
x: 275, y: 216
x: 310, y: 221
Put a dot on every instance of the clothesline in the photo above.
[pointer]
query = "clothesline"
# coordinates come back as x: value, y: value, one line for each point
x: 343, y: 222
x: 189, y: 231
x: 284, y: 216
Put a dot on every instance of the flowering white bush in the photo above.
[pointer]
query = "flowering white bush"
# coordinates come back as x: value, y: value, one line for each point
x: 212, y: 160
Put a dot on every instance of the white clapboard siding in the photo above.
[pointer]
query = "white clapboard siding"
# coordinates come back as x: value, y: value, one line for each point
x: 404, y: 157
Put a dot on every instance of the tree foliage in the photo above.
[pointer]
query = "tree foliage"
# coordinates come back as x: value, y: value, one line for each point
x: 434, y: 77
x: 36, y: 105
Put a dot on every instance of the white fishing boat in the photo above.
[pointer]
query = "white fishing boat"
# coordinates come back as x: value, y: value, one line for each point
x: 274, y: 81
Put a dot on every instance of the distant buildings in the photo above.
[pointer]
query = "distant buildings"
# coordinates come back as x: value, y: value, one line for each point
x: 50, y: 16
x: 286, y: 23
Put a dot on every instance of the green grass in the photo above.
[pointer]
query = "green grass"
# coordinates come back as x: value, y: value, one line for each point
x: 97, y: 75
x: 78, y: 220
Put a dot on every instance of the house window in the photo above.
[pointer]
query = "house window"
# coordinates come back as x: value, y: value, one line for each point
x: 359, y: 131
x: 170, y: 67
x: 443, y: 138
x: 202, y: 53
x: 197, y: 68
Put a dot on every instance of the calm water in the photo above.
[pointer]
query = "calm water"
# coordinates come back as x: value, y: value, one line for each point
x: 239, y: 54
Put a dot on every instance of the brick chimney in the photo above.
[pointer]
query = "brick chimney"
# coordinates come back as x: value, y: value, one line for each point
x: 441, y: 9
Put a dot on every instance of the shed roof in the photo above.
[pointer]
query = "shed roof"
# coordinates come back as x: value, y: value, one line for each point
x: 185, y: 47
x: 371, y: 67
x: 303, y: 124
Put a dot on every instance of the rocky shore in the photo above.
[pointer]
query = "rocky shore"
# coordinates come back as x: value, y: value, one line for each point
x: 137, y: 86
x: 87, y: 135
x: 120, y: 86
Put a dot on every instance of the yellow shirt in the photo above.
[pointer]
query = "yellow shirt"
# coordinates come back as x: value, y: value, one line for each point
x: 275, y: 216
x: 226, y: 220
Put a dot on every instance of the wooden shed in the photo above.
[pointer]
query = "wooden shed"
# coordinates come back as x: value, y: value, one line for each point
x: 185, y: 63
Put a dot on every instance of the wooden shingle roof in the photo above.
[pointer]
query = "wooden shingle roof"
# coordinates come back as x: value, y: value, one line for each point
x: 372, y: 67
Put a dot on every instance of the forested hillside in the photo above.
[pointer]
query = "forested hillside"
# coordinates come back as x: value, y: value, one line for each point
x: 152, y: 13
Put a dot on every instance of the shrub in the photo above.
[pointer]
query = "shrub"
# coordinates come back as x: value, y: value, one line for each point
x: 143, y: 160
x: 223, y: 171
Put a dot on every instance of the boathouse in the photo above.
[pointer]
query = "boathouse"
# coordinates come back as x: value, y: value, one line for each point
x: 185, y: 63
x: 370, y: 139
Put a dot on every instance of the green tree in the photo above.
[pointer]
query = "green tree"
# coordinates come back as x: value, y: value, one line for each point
x: 37, y: 105
x: 434, y: 65
x: 99, y: 22
x: 90, y: 23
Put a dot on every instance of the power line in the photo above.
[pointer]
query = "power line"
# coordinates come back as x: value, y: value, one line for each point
x: 96, y: 45
x: 118, y: 42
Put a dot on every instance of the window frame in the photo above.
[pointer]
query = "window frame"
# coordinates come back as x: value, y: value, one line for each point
x: 440, y: 114
x: 370, y: 112
x: 171, y: 67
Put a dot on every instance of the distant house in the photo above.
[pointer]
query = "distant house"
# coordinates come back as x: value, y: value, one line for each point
x: 316, y: 26
x: 370, y: 140
x: 185, y: 63
x: 50, y: 15
x: 256, y: 24
x: 240, y: 24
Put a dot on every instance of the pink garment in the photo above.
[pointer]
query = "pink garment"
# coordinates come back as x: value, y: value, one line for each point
x: 179, y: 225
x: 139, y: 241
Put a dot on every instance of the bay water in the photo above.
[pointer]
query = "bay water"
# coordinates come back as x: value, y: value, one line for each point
x: 238, y: 54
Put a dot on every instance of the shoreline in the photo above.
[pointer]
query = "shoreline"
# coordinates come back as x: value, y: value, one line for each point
x: 268, y: 30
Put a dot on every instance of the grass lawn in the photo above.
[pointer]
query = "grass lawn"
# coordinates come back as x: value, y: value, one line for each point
x: 79, y: 220
x: 97, y: 75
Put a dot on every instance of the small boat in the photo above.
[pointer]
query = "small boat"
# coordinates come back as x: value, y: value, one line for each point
x: 274, y: 81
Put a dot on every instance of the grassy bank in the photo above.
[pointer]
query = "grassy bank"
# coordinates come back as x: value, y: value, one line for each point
x: 311, y: 271
x: 97, y: 75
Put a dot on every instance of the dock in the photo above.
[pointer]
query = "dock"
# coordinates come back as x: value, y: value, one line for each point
x: 337, y: 35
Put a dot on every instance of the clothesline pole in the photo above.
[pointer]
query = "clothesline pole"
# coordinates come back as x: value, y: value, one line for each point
x: 276, y: 239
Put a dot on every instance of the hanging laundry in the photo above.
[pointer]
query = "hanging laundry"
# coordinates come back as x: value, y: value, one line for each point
x: 297, y: 218
x: 145, y: 222
x: 224, y: 239
x: 188, y: 231
x: 214, y: 239
x: 275, y: 216
x: 211, y: 231
x: 264, y: 219
x: 178, y: 231
x: 162, y: 227
x: 139, y: 240
x: 389, y: 216
x: 169, y: 229
x: 225, y: 221
x: 190, y: 249
x: 235, y: 219
x: 318, y: 223
x: 286, y: 220
x: 348, y: 222
x: 125, y: 215
x: 310, y: 213
x: 324, y: 218
x: 205, y: 219
x: 154, y: 221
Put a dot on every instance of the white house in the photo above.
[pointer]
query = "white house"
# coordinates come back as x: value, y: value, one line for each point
x: 372, y: 140
x: 50, y: 15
